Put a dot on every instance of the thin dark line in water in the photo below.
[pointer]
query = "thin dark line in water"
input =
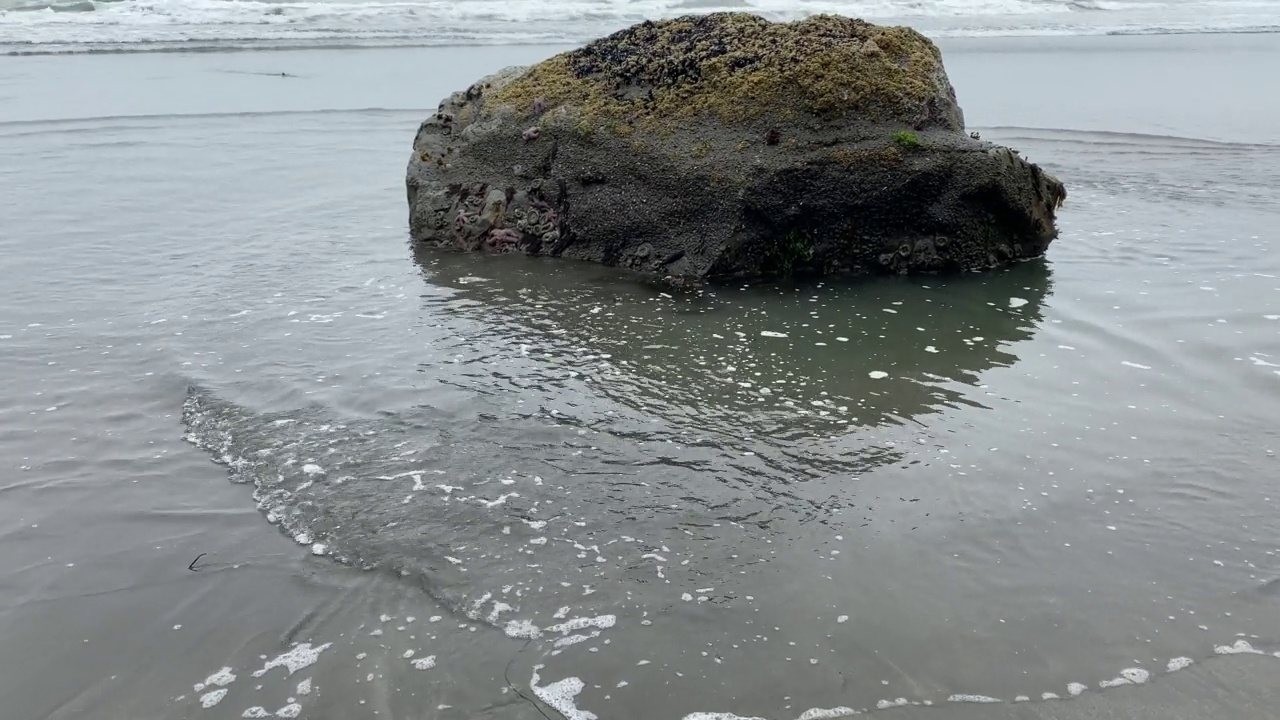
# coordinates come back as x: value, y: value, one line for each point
x: 192, y: 567
x: 506, y: 675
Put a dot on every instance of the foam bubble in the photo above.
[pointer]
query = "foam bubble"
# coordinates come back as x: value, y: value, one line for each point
x: 842, y: 619
x: 886, y: 704
x: 222, y: 678
x: 522, y: 629
x: 257, y: 711
x: 300, y: 656
x: 1179, y: 663
x: 210, y: 699
x: 1017, y: 302
x: 561, y: 695
x: 772, y: 334
x: 964, y: 698
x: 425, y: 663
x: 292, y: 710
x: 1126, y: 363
x: 304, y: 687
x: 603, y: 622
x: 1137, y: 676
x: 824, y: 713
x: 1240, y: 647
x: 877, y: 374
x: 1075, y: 688
x: 312, y: 469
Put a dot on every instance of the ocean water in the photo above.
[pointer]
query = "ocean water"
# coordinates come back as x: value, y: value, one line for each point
x: 58, y: 26
x: 469, y: 487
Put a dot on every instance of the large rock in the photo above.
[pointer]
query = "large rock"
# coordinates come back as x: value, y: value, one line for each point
x: 723, y: 147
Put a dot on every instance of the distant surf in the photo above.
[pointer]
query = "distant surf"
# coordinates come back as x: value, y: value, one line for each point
x: 79, y: 26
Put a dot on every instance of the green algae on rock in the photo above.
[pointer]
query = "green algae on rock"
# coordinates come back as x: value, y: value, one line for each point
x: 725, y: 146
x: 737, y: 67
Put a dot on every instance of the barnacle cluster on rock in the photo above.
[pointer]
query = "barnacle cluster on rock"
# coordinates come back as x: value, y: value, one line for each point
x: 738, y: 67
x: 496, y: 220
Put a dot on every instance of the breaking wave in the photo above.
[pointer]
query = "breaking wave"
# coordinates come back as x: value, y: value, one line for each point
x: 60, y: 26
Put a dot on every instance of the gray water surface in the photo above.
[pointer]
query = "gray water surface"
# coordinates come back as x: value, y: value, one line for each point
x: 545, y: 480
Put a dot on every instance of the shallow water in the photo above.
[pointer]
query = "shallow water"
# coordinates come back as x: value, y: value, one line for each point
x: 740, y: 500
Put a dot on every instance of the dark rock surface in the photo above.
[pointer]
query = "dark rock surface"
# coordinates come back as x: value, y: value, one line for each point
x: 727, y: 147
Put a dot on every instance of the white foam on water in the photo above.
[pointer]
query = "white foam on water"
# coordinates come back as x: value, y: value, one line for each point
x: 1017, y: 302
x: 304, y: 687
x: 222, y: 678
x: 718, y: 716
x: 603, y: 622
x: 301, y: 656
x: 312, y: 469
x: 1022, y: 698
x: 824, y: 713
x: 1126, y: 363
x: 1075, y: 688
x: 568, y: 640
x: 210, y: 699
x: 965, y: 698
x: 1267, y: 317
x: 561, y: 695
x: 886, y: 704
x: 772, y: 334
x: 877, y: 374
x: 1050, y: 696
x: 292, y: 710
x: 1240, y: 647
x: 842, y: 619
x: 1179, y: 663
x: 319, y: 549
x: 522, y: 629
x: 425, y: 663
x: 1137, y: 676
x: 257, y: 712
x: 498, y: 609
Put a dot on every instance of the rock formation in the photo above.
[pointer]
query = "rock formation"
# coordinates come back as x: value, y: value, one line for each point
x: 727, y: 147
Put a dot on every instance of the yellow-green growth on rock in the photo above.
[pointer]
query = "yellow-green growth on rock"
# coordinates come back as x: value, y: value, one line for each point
x: 740, y: 68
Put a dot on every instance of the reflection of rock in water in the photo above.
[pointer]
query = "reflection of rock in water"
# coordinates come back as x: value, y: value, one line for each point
x: 789, y: 362
x: 612, y: 439
x: 503, y: 519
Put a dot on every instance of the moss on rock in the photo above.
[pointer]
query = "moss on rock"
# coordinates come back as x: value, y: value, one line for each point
x: 738, y: 68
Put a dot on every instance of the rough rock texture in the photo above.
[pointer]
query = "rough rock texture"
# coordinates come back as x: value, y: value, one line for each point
x: 725, y: 146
